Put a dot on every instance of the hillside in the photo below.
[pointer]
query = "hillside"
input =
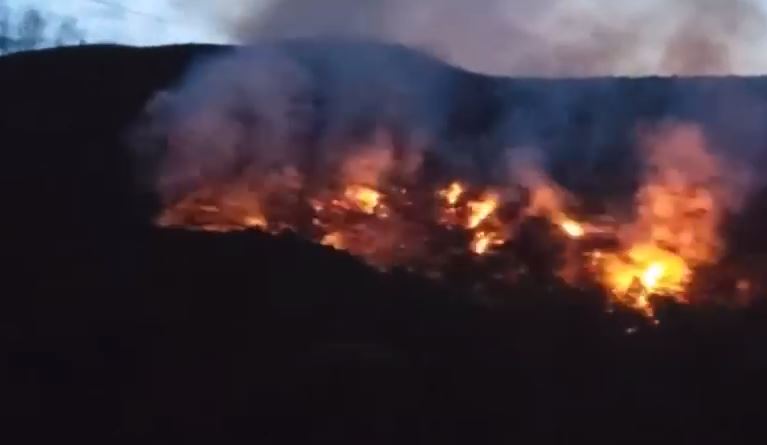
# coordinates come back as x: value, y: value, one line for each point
x: 114, y: 331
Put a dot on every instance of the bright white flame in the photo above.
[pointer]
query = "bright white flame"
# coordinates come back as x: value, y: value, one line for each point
x: 572, y: 229
x: 652, y: 275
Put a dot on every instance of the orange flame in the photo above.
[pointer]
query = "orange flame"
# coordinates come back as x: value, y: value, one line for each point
x: 365, y: 199
x: 643, y: 272
x: 654, y: 254
x: 481, y: 209
x: 483, y: 241
x: 572, y: 228
x: 452, y: 193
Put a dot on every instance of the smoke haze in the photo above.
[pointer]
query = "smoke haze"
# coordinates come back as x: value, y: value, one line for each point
x: 532, y: 37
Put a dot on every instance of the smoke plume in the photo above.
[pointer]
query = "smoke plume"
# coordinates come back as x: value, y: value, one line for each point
x: 304, y: 104
x: 532, y: 37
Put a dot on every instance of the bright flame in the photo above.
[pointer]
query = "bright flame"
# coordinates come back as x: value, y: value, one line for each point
x: 452, y: 193
x: 483, y: 241
x: 652, y: 275
x: 673, y: 231
x: 572, y: 228
x: 364, y: 198
x: 680, y: 206
x: 481, y: 209
x: 646, y: 271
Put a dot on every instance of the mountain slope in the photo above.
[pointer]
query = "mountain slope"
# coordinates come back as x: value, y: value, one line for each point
x: 113, y: 331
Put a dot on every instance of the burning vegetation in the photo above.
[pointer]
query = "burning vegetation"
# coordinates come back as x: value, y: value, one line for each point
x: 370, y: 209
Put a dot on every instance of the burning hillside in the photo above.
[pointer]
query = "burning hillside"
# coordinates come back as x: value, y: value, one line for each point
x: 368, y: 208
x: 541, y: 198
x: 395, y: 160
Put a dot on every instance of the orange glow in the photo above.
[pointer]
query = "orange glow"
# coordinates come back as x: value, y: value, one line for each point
x: 743, y: 285
x: 364, y: 198
x: 652, y: 275
x: 483, y: 241
x: 452, y: 193
x: 255, y: 221
x: 646, y: 271
x: 637, y: 256
x: 572, y: 228
x: 334, y: 240
x: 481, y: 209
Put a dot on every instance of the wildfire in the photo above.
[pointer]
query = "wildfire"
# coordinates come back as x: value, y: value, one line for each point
x: 452, y: 193
x: 651, y: 254
x: 643, y: 272
x: 676, y: 225
x: 483, y: 241
x: 364, y: 199
x: 573, y: 229
x: 652, y: 275
x: 481, y: 209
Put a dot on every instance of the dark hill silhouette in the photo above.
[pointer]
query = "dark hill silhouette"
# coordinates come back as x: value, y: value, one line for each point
x: 112, y: 331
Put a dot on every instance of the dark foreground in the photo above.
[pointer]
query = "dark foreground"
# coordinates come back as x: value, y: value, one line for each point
x: 197, y: 338
x: 114, y: 332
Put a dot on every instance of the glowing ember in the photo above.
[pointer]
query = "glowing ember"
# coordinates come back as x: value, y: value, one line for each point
x: 483, y: 241
x: 255, y: 221
x: 743, y: 285
x: 334, y: 240
x: 481, y: 209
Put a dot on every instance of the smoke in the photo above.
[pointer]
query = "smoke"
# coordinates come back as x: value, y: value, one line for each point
x: 531, y: 37
x: 352, y: 108
x: 299, y: 134
x: 314, y: 104
x: 220, y: 119
x: 347, y: 140
x: 687, y: 191
x: 366, y: 112
x: 29, y: 29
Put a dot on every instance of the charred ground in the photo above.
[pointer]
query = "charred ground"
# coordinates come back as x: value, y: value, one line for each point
x: 114, y: 331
